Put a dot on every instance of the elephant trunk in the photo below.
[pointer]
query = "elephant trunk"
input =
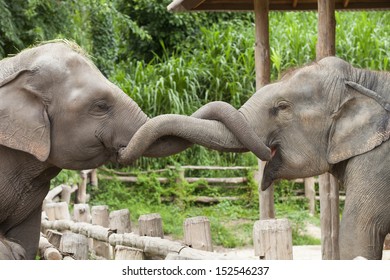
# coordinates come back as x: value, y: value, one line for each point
x: 217, y: 126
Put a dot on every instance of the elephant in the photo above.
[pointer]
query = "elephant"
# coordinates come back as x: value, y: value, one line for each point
x: 327, y: 116
x: 10, y: 250
x: 58, y: 111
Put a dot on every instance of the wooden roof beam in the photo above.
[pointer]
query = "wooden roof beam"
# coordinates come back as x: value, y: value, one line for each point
x: 295, y: 3
x: 345, y: 3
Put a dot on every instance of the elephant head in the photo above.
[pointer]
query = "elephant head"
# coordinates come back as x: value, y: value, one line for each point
x: 57, y: 106
x: 311, y: 119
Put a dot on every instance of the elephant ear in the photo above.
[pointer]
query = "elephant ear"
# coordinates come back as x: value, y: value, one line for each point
x: 24, y: 123
x: 360, y: 125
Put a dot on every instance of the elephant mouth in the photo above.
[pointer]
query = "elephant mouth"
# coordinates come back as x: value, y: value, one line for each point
x: 274, y: 149
x: 272, y: 167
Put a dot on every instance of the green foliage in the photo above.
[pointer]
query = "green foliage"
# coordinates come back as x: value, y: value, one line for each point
x: 68, y: 177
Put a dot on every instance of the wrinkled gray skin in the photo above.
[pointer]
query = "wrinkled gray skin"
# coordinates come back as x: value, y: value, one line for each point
x: 58, y: 111
x: 11, y: 250
x: 325, y: 117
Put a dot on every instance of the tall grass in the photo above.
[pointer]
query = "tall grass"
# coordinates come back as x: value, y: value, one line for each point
x: 218, y: 64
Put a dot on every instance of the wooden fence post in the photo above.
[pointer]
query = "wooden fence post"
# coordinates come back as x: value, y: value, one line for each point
x: 82, y: 189
x: 128, y: 253
x: 151, y: 225
x: 100, y: 216
x: 66, y: 193
x: 56, y: 210
x: 120, y: 221
x: 94, y: 178
x: 197, y: 233
x: 273, y: 239
x: 50, y: 210
x: 75, y: 244
x: 81, y: 213
x: 310, y: 194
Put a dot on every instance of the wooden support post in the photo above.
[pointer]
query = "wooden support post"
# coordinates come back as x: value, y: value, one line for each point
x: 65, y: 194
x: 82, y: 189
x: 100, y: 216
x: 329, y: 194
x: 310, y: 194
x: 263, y: 76
x: 120, y: 221
x: 329, y: 205
x: 75, y: 245
x: 326, y: 42
x: 197, y: 233
x: 94, y: 178
x: 81, y: 213
x: 128, y: 253
x: 273, y: 239
x: 151, y: 225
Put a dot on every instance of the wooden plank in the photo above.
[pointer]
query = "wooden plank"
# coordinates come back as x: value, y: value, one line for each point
x: 198, y: 167
x: 154, y: 246
x: 274, y: 5
x: 231, y: 180
x: 216, y: 199
x: 129, y: 179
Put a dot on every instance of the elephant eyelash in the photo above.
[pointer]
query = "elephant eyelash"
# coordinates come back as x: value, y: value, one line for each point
x: 99, y: 108
x: 279, y: 107
x: 283, y: 106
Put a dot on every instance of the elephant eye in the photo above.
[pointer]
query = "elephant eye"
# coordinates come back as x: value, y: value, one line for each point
x: 99, y: 108
x: 283, y: 105
x: 279, y: 107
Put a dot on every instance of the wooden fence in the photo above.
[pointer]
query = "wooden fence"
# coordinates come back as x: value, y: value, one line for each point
x: 95, y: 232
x: 63, y: 237
x: 308, y: 190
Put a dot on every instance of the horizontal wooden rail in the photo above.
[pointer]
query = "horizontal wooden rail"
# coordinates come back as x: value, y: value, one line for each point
x: 149, y: 245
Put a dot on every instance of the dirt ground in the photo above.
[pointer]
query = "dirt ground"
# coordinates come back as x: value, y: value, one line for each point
x: 308, y: 252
